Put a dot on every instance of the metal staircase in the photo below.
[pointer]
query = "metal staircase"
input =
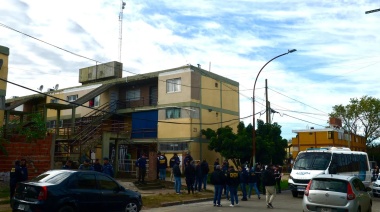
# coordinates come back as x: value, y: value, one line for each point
x: 88, y: 133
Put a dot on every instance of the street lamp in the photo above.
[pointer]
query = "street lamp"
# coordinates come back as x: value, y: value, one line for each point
x: 253, y: 98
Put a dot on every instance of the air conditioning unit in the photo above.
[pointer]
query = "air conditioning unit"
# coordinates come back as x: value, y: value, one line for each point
x: 50, y: 89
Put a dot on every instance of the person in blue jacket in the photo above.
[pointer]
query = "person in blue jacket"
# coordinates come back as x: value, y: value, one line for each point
x: 107, y: 167
x: 141, y: 164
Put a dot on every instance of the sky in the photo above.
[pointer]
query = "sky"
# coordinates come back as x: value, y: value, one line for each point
x: 337, y: 57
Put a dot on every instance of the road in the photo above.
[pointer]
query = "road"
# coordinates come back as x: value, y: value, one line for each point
x: 283, y: 202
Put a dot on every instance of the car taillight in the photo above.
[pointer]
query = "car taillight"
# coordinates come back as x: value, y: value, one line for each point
x: 43, y: 193
x: 306, y: 192
x: 350, y: 193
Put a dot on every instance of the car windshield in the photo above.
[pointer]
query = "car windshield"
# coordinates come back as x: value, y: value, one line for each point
x: 312, y: 161
x: 329, y: 185
x: 51, y: 177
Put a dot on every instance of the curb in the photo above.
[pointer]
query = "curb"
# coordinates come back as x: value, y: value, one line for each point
x: 166, y: 204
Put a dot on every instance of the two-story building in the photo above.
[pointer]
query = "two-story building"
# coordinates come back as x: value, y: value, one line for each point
x: 333, y: 135
x: 123, y: 117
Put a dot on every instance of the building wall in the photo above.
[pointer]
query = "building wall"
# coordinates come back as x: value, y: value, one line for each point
x: 316, y: 139
x: 4, y: 53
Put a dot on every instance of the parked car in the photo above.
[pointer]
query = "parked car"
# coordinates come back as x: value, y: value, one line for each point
x: 74, y: 190
x: 327, y: 192
x: 376, y: 187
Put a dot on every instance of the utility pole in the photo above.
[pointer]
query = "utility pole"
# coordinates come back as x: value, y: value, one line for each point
x: 267, y: 103
x: 121, y: 27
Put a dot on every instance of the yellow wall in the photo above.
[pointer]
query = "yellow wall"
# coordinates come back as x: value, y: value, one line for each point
x: 175, y: 97
x: 4, y: 53
x: 316, y: 139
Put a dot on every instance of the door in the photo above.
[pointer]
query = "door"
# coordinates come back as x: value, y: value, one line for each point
x: 153, y: 95
x: 84, y: 189
x: 113, y: 199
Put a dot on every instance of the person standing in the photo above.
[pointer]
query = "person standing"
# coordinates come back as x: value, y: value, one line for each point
x: 162, y: 165
x: 205, y: 171
x: 225, y: 168
x: 107, y: 167
x: 15, y: 177
x: 198, y: 177
x: 190, y: 177
x: 233, y: 181
x: 187, y: 158
x: 172, y: 162
x: 177, y: 178
x: 141, y: 164
x: 68, y: 165
x: 97, y: 166
x: 269, y: 183
x: 86, y: 165
x: 218, y: 179
x: 277, y: 176
x: 216, y: 163
x: 252, y: 182
x: 24, y: 170
x: 243, y: 182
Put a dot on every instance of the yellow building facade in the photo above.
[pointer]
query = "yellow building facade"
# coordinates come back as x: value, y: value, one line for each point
x: 327, y: 137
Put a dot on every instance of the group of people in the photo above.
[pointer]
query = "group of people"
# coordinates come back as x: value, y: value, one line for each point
x: 226, y: 178
x: 106, y: 168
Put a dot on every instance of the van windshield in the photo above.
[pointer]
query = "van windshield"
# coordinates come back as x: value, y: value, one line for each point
x: 312, y: 161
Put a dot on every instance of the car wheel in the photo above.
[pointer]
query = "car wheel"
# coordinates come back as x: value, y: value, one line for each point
x: 132, y: 207
x: 295, y: 193
x: 375, y: 195
x: 66, y: 208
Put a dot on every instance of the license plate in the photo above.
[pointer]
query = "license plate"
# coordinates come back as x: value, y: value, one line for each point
x: 23, y: 207
x: 326, y: 210
x: 300, y: 189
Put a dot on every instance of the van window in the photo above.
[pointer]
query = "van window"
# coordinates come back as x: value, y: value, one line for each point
x: 312, y: 161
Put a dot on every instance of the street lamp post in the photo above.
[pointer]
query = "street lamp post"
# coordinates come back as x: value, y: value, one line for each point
x: 253, y: 98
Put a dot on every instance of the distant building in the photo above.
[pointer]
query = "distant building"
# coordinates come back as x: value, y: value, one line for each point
x: 333, y: 135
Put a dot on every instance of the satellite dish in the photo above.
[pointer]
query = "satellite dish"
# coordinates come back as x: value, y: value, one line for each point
x: 56, y: 87
x: 41, y: 87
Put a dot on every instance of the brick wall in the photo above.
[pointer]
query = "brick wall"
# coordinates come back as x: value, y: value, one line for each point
x: 37, y: 154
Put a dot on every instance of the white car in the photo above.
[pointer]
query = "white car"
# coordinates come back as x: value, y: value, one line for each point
x: 328, y: 192
x: 376, y: 187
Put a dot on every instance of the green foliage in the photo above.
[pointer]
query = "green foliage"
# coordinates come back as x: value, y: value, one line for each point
x: 360, y: 117
x: 270, y: 146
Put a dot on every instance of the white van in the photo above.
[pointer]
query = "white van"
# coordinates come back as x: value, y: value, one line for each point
x: 327, y: 160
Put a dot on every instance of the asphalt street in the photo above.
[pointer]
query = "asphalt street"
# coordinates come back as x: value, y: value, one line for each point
x: 283, y: 202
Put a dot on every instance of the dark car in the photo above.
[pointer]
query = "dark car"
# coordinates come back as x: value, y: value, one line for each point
x: 72, y: 190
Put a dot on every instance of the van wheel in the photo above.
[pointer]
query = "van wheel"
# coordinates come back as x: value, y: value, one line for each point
x: 132, y: 206
x: 295, y: 193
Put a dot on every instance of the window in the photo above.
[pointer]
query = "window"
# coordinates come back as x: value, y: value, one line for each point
x: 51, y: 124
x: 173, y: 85
x: 133, y: 94
x: 330, y: 135
x: 72, y: 98
x: 107, y: 183
x: 84, y: 181
x: 173, y: 113
x: 95, y: 102
x: 54, y: 100
x: 173, y: 146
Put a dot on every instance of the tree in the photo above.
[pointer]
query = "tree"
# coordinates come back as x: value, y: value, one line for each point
x: 270, y: 146
x: 235, y: 147
x: 360, y: 117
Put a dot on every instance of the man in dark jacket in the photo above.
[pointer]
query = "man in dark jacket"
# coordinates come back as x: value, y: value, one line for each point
x: 162, y: 165
x: 24, y: 170
x: 269, y: 183
x: 15, y: 177
x: 243, y: 182
x: 205, y: 170
x: 172, y: 162
x: 233, y: 181
x: 177, y: 178
x: 190, y: 177
x: 141, y: 164
x: 198, y: 177
x: 218, y: 179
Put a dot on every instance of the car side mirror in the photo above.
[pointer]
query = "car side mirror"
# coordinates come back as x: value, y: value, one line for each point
x: 368, y: 189
x: 332, y: 169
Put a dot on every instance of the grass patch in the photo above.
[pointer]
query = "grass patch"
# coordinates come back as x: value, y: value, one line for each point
x: 154, y: 201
